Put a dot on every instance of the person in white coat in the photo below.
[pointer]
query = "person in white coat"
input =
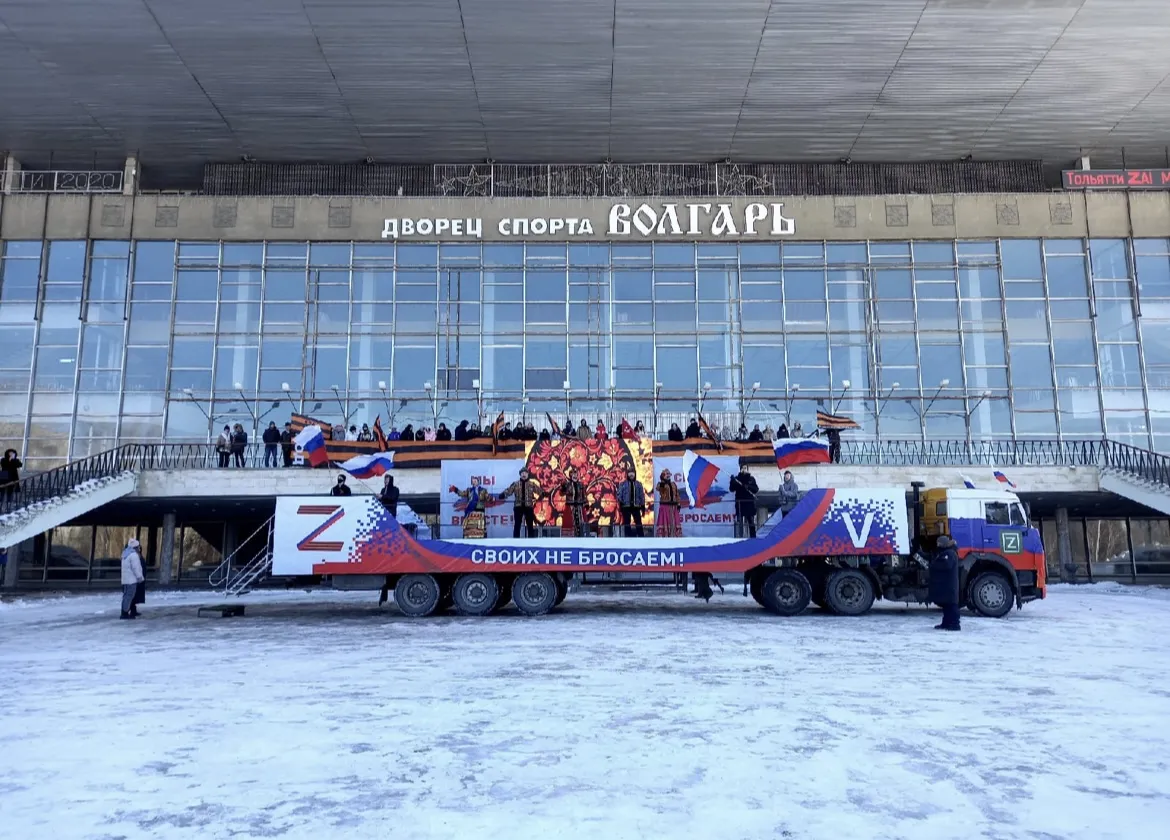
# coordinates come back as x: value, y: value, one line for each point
x: 131, y: 577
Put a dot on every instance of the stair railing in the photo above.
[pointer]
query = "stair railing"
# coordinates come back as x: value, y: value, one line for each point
x: 1143, y: 464
x: 222, y: 575
x: 58, y: 481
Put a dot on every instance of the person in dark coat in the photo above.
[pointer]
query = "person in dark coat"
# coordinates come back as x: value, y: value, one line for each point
x: 944, y: 582
x: 408, y: 432
x: 341, y: 488
x: 693, y: 430
x: 545, y: 437
x: 287, y: 445
x: 756, y: 435
x: 745, y: 488
x: 420, y: 434
x: 442, y: 433
x: 834, y: 438
x: 388, y: 495
x: 239, y: 444
x: 632, y: 501
x: 675, y: 434
x: 271, y: 438
x: 461, y: 430
x: 10, y: 472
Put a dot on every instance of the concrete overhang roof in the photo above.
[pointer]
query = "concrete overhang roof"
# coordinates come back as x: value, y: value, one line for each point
x: 85, y: 82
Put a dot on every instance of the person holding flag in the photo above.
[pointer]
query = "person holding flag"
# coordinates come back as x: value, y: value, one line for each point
x: 745, y: 488
x: 667, y: 520
x: 474, y: 519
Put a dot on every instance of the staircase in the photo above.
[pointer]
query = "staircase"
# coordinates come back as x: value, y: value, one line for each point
x: 57, y: 496
x: 242, y: 569
x: 1137, y: 474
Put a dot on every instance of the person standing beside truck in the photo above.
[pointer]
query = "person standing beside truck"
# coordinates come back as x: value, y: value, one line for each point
x: 745, y: 488
x: 944, y: 582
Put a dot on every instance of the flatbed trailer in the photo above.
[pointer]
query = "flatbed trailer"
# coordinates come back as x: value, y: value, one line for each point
x: 841, y: 549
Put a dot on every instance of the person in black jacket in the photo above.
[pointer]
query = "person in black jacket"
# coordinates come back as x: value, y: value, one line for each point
x: 388, y: 495
x: 10, y: 472
x: 239, y: 444
x: 442, y: 433
x: 782, y: 432
x: 271, y: 438
x: 287, y: 445
x: 675, y: 433
x: 341, y: 488
x: 745, y: 488
x: 461, y: 430
x: 834, y: 438
x: 693, y: 430
x: 944, y: 582
x: 756, y: 435
x: 408, y: 432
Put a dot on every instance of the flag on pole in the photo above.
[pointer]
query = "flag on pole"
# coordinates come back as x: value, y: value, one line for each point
x: 699, y: 474
x: 792, y: 452
x: 710, y: 433
x: 554, y: 426
x: 1003, y: 479
x: 967, y: 482
x: 626, y: 431
x: 379, y: 435
x: 311, y: 442
x: 826, y: 420
x: 369, y: 466
x: 496, y: 427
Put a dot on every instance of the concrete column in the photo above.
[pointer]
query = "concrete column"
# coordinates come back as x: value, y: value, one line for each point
x: 1064, y: 552
x: 9, y: 174
x: 166, y: 560
x: 16, y: 554
x: 130, y: 176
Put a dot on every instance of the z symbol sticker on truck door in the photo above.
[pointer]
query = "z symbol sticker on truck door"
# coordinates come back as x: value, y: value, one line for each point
x: 1010, y: 542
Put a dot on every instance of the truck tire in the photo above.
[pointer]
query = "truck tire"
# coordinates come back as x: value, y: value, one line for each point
x: 990, y: 595
x: 417, y: 595
x: 535, y: 593
x: 849, y: 592
x: 562, y: 590
x: 475, y: 594
x: 786, y: 592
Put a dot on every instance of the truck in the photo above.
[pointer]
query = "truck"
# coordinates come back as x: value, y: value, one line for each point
x: 840, y: 549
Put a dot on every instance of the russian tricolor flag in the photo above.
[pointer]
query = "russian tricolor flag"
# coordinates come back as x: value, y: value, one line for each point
x: 700, y: 474
x: 369, y: 466
x: 791, y: 452
x: 311, y: 442
x: 1003, y: 479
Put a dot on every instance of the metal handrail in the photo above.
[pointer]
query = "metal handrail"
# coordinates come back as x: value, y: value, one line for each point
x: 1139, y: 463
x: 221, y: 574
x: 60, y: 480
x: 1008, y: 453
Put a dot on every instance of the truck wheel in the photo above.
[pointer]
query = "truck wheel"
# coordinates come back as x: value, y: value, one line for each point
x: 417, y: 595
x: 849, y: 592
x: 562, y: 590
x: 475, y: 594
x: 990, y: 595
x: 786, y: 592
x: 535, y: 593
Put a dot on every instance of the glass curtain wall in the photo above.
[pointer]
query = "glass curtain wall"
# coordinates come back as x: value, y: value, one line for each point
x: 112, y: 341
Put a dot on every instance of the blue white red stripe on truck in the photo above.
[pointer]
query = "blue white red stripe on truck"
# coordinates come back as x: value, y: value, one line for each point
x: 857, y: 525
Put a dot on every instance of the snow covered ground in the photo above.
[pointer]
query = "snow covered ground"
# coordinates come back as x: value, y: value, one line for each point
x: 621, y: 716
